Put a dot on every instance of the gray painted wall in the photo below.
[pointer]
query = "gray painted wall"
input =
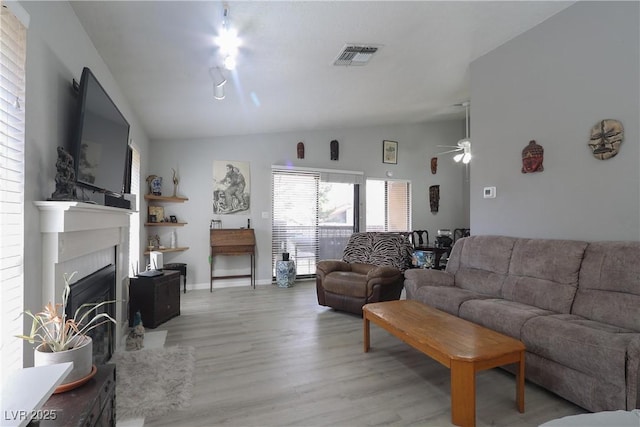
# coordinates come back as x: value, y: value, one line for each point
x: 552, y: 84
x: 360, y: 150
x: 57, y: 50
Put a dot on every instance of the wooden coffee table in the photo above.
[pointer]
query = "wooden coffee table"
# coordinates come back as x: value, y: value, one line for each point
x: 463, y: 347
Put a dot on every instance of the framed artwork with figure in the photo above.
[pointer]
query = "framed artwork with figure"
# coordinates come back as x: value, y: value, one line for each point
x: 390, y: 152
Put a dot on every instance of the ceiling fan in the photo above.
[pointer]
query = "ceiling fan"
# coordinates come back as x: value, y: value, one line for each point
x: 463, y: 147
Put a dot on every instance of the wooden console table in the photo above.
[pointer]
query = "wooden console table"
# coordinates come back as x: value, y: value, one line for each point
x: 233, y: 241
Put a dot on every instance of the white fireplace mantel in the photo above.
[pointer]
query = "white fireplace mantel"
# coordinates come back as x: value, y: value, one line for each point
x: 73, y: 230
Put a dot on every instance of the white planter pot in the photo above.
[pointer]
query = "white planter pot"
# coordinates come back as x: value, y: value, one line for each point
x: 81, y: 355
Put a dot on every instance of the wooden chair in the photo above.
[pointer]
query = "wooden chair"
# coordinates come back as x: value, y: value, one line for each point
x: 459, y: 233
x: 420, y: 239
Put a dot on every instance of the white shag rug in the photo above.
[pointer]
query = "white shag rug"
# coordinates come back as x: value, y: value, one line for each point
x: 153, y: 382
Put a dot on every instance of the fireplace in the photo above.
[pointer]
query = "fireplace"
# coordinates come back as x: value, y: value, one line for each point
x: 95, y: 288
x: 85, y: 238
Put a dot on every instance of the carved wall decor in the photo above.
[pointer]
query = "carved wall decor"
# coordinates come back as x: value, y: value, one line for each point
x: 334, y: 149
x: 434, y: 198
x: 434, y: 165
x: 606, y: 137
x: 532, y: 157
x: 300, y: 150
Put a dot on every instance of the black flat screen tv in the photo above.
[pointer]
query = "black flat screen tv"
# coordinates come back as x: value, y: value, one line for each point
x: 101, y: 140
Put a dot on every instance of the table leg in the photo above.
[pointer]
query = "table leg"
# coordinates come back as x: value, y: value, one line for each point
x: 366, y: 332
x: 463, y: 394
x: 520, y: 384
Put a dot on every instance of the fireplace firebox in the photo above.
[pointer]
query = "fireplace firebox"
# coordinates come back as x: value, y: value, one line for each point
x: 95, y: 288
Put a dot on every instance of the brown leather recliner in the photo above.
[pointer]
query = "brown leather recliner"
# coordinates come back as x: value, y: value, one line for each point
x: 372, y: 270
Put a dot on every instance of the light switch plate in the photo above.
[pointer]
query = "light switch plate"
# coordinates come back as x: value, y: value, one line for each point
x: 265, y: 215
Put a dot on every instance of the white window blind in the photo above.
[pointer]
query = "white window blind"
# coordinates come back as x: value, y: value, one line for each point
x: 134, y: 229
x: 294, y: 214
x: 388, y: 205
x: 13, y: 38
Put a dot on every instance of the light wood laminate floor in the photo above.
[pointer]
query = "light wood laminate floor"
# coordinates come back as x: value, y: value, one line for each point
x: 273, y: 357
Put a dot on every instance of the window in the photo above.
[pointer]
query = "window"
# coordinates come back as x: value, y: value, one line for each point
x: 134, y: 224
x: 388, y: 205
x: 13, y: 40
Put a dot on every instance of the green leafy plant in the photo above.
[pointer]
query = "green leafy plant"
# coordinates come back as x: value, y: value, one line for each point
x: 51, y: 327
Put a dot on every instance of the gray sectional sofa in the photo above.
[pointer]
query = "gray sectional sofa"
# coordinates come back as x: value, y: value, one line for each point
x: 575, y: 305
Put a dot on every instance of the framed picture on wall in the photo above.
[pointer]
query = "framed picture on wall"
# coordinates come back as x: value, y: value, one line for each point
x: 390, y: 152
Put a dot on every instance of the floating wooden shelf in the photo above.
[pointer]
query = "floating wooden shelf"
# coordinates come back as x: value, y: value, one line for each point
x: 168, y: 250
x: 164, y: 224
x: 169, y: 199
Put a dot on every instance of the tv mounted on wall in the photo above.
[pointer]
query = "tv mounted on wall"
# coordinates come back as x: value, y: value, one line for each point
x: 101, y: 140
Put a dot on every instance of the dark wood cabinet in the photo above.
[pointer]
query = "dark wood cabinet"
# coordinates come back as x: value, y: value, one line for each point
x: 157, y: 298
x: 90, y: 405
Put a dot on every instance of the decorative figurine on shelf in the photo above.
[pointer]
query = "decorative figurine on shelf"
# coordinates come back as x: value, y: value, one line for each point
x: 65, y: 177
x: 606, y: 137
x: 155, y: 185
x: 532, y: 157
x: 176, y: 181
x: 135, y: 339
x: 300, y: 150
x: 334, y: 149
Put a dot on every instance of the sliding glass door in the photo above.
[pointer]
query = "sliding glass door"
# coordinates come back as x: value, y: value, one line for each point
x: 313, y: 215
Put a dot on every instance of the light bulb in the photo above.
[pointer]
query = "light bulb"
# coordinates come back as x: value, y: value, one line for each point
x: 458, y: 157
x: 466, y: 158
x: 230, y: 63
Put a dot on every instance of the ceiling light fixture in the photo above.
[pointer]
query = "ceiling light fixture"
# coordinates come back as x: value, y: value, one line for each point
x: 464, y: 145
x: 228, y: 40
x: 219, y: 81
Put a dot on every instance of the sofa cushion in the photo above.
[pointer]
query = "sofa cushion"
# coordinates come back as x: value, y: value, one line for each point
x: 346, y: 283
x: 480, y: 263
x: 590, y: 347
x: 609, y: 287
x: 381, y: 249
x: 445, y: 298
x: 501, y: 315
x: 544, y: 273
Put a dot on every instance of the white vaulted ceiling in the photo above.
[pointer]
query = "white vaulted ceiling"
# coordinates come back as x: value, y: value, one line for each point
x: 160, y: 53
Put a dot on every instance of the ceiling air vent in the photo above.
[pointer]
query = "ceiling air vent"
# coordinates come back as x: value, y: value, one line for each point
x: 355, y: 55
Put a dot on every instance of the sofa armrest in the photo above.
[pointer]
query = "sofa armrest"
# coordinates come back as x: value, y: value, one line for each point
x: 416, y: 278
x: 326, y: 266
x: 383, y: 272
x: 633, y: 374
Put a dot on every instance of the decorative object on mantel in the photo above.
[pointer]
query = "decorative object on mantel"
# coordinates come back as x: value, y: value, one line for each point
x: 335, y: 149
x: 231, y: 187
x: 434, y: 198
x: 434, y: 165
x: 390, y: 152
x: 300, y: 150
x: 606, y: 137
x: 65, y: 177
x: 176, y: 181
x: 61, y: 339
x: 155, y: 185
x: 532, y: 157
